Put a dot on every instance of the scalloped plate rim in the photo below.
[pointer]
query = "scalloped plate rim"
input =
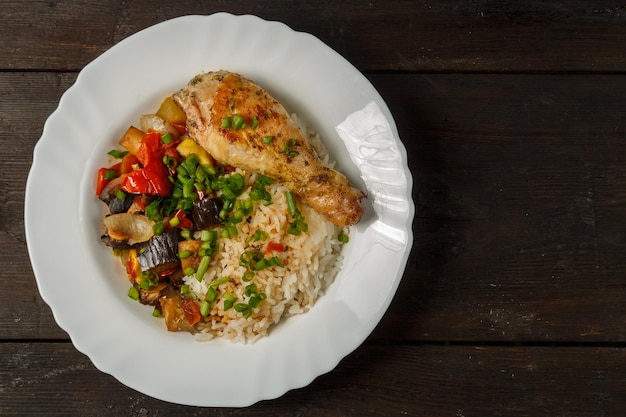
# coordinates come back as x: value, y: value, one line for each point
x: 336, y: 344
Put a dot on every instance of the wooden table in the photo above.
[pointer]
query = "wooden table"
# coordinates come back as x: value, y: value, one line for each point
x: 513, y: 302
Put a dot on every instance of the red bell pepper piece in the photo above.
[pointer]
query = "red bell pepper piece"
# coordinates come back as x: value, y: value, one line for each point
x: 102, y: 178
x: 184, y: 221
x: 127, y: 163
x: 153, y: 178
x: 191, y: 310
x: 274, y: 247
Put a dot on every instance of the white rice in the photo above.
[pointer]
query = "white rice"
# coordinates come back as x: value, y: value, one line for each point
x: 310, y: 263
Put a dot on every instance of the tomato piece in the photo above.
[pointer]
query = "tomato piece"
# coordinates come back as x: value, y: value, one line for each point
x: 191, y: 310
x: 150, y: 147
x: 104, y: 177
x: 127, y: 163
x: 183, y: 221
x: 274, y: 247
x: 153, y: 179
x: 101, y: 181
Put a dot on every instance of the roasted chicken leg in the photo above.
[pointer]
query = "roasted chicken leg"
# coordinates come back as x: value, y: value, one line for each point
x: 240, y: 124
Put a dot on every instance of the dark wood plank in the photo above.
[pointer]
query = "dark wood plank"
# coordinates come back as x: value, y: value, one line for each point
x: 26, y: 101
x: 390, y: 35
x: 373, y: 381
x: 519, y: 189
x: 519, y: 207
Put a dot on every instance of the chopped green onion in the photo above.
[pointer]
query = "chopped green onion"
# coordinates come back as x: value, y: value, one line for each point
x: 291, y: 204
x: 201, y: 173
x: 185, y: 233
x: 247, y: 276
x: 109, y: 174
x: 229, y: 231
x: 188, y: 189
x: 177, y: 192
x: 229, y: 300
x: 288, y: 148
x: 254, y: 301
x: 184, y: 289
x: 120, y: 195
x: 204, y: 264
x: 117, y: 154
x: 274, y: 261
x: 133, y: 293
x: 212, y: 236
x: 189, y: 271
x: 204, y: 235
x: 245, y: 258
x: 184, y: 254
x: 205, y: 308
x: 169, y: 161
x: 174, y: 221
x: 264, y: 180
x: 211, y: 294
x: 260, y: 235
x: 262, y: 264
x: 297, y: 227
x: 156, y: 312
x: 153, y: 211
x: 255, y: 123
x: 187, y: 204
x: 158, y: 228
x: 343, y: 238
x: 238, y: 121
x: 226, y: 122
x: 149, y: 279
x: 167, y: 138
x: 251, y: 289
x: 210, y: 169
x: 219, y: 282
x: 244, y: 309
x: 267, y: 140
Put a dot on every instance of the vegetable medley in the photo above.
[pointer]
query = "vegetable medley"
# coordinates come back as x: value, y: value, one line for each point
x: 169, y: 202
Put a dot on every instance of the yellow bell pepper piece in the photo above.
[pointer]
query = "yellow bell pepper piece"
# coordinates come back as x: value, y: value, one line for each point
x: 187, y: 146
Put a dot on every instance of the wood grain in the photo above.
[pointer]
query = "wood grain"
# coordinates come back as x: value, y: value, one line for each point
x: 464, y: 36
x: 516, y: 231
x: 512, y: 115
x: 372, y: 381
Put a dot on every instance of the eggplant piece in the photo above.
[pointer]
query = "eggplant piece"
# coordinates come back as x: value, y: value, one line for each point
x: 110, y: 198
x: 108, y: 192
x: 151, y: 296
x: 115, y: 244
x: 117, y: 205
x: 171, y: 303
x: 160, y: 253
x: 206, y: 212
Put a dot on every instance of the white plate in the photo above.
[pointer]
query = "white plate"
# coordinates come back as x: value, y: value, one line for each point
x: 84, y: 285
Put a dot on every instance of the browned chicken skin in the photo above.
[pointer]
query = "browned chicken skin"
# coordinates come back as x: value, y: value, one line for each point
x: 287, y: 157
